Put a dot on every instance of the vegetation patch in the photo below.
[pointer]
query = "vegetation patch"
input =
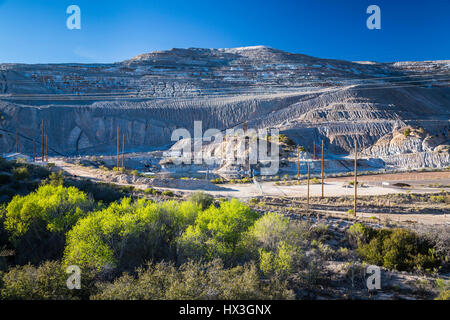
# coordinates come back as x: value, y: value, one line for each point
x: 398, y: 249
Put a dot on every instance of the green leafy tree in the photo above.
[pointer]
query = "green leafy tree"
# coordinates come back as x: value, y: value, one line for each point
x: 37, y: 223
x: 217, y: 232
x: 268, y: 231
x: 127, y: 234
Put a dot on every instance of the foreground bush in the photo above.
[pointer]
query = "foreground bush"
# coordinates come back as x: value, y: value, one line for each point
x: 398, y: 249
x: 193, y: 281
x: 127, y: 234
x: 46, y: 282
x: 37, y: 223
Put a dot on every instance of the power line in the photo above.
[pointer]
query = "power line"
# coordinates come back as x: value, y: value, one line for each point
x: 10, y: 133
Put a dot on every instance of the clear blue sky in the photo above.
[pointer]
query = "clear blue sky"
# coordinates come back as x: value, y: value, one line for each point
x: 34, y: 31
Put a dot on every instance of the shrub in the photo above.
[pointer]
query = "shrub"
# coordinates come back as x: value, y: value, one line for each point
x: 398, y: 249
x: 444, y: 289
x: 253, y: 201
x: 46, y: 282
x: 245, y: 180
x: 193, y: 281
x: 31, y: 283
x: 38, y: 171
x: 21, y: 173
x: 37, y: 223
x: 55, y: 179
x: 285, y: 139
x: 204, y: 200
x: 127, y: 234
x: 217, y: 181
x: 438, y: 199
x: 4, y: 243
x: 267, y: 232
x: 276, y: 242
x: 167, y: 193
x: 320, y: 232
x: 359, y: 234
x: 281, y: 262
x: 152, y: 191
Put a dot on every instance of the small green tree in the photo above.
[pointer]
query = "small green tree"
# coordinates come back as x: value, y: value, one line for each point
x: 127, y: 234
x: 217, y: 232
x: 37, y: 223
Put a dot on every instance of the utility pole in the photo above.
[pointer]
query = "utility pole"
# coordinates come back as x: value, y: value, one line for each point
x: 314, y: 150
x: 356, y: 178
x: 118, y: 147
x: 298, y: 163
x: 43, y: 132
x: 246, y: 151
x: 123, y: 151
x: 322, y: 172
x: 46, y: 147
x: 307, y: 193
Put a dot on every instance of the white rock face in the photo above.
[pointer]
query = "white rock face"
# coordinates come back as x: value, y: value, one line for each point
x: 306, y: 98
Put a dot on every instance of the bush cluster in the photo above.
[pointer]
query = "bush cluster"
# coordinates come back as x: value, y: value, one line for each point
x: 398, y: 249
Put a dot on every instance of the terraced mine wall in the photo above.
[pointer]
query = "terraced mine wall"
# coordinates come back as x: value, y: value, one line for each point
x: 339, y: 117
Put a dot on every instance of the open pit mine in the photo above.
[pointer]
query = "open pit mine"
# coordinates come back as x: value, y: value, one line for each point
x: 396, y: 113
